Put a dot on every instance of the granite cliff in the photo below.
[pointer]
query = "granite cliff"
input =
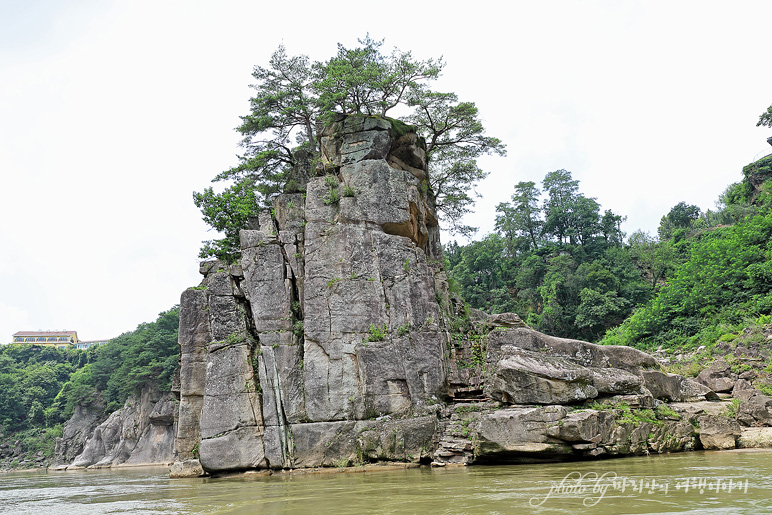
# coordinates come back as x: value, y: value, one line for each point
x: 337, y: 341
x: 140, y: 433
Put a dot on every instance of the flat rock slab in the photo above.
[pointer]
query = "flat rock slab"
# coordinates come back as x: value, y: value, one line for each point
x: 755, y: 437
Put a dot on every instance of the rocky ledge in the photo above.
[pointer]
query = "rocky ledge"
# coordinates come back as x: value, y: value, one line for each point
x: 140, y: 433
x: 336, y: 341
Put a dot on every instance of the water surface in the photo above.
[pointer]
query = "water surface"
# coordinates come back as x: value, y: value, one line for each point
x: 736, y: 482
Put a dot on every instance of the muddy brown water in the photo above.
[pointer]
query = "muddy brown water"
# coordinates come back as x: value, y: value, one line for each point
x: 719, y: 482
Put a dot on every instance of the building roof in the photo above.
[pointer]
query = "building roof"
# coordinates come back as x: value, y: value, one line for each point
x: 44, y: 333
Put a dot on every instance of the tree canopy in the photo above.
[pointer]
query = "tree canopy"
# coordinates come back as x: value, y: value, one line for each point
x: 40, y: 386
x: 294, y: 97
x: 765, y: 118
x: 556, y: 261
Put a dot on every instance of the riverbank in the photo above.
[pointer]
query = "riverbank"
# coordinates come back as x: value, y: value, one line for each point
x: 697, y: 482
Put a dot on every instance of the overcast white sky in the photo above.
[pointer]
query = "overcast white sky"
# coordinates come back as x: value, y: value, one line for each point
x: 113, y: 112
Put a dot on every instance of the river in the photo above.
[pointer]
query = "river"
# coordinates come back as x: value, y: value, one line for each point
x: 717, y: 482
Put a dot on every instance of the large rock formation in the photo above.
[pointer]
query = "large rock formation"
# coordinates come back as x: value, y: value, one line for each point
x: 77, y: 430
x: 140, y: 433
x: 329, y: 331
x: 335, y: 340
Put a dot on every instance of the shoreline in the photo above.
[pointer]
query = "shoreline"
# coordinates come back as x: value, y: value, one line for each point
x: 381, y: 466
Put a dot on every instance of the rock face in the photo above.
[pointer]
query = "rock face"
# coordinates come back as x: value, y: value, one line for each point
x: 718, y: 376
x: 335, y: 340
x: 140, y: 433
x: 75, y: 433
x: 330, y: 321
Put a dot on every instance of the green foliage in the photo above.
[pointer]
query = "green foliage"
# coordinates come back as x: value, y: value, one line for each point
x: 520, y: 223
x: 731, y: 409
x: 298, y: 328
x: 364, y: 81
x: 347, y: 191
x: 562, y: 266
x: 147, y: 355
x: 295, y: 96
x: 765, y: 388
x: 680, y: 220
x: 40, y: 386
x: 726, y: 279
x: 663, y: 411
x: 766, y: 118
x: 628, y: 415
x: 31, y: 377
x: 455, y: 138
x: 377, y: 334
x: 332, y: 196
x: 655, y: 259
x: 226, y: 212
x: 707, y: 273
x: 760, y: 171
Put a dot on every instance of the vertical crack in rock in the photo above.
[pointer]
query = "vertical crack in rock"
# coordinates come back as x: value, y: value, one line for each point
x: 285, y: 434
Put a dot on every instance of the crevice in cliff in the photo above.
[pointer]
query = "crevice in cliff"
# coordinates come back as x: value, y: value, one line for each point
x: 285, y: 435
x: 296, y: 314
x: 246, y: 307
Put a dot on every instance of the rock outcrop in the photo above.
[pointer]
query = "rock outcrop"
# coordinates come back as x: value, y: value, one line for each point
x: 335, y: 340
x: 140, y: 433
x: 327, y: 339
x: 76, y: 431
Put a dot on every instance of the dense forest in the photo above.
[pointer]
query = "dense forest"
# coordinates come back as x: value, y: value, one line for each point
x: 568, y: 270
x: 40, y: 386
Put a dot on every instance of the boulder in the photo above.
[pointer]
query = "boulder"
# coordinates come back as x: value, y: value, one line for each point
x: 590, y: 426
x: 755, y: 437
x: 524, y: 377
x: 75, y: 433
x: 355, y: 138
x: 742, y: 389
x: 675, y: 388
x: 520, y: 376
x: 239, y: 449
x: 717, y: 432
x: 187, y: 468
x: 141, y: 433
x: 582, y: 353
x: 517, y: 433
x: 505, y: 320
x: 718, y: 376
x: 755, y: 410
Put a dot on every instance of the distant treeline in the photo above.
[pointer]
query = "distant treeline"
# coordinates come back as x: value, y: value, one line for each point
x: 40, y: 386
x: 568, y: 270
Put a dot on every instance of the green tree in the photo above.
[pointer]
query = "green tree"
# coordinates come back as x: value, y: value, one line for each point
x: 586, y: 219
x: 520, y: 221
x: 364, y: 81
x: 681, y: 217
x: 562, y: 191
x: 611, y: 227
x: 765, y: 118
x: 654, y: 258
x: 227, y: 212
x: 725, y: 279
x: 455, y: 138
x: 295, y: 97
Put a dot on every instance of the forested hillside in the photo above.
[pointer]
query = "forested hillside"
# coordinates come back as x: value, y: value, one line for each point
x: 39, y: 386
x: 564, y: 265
